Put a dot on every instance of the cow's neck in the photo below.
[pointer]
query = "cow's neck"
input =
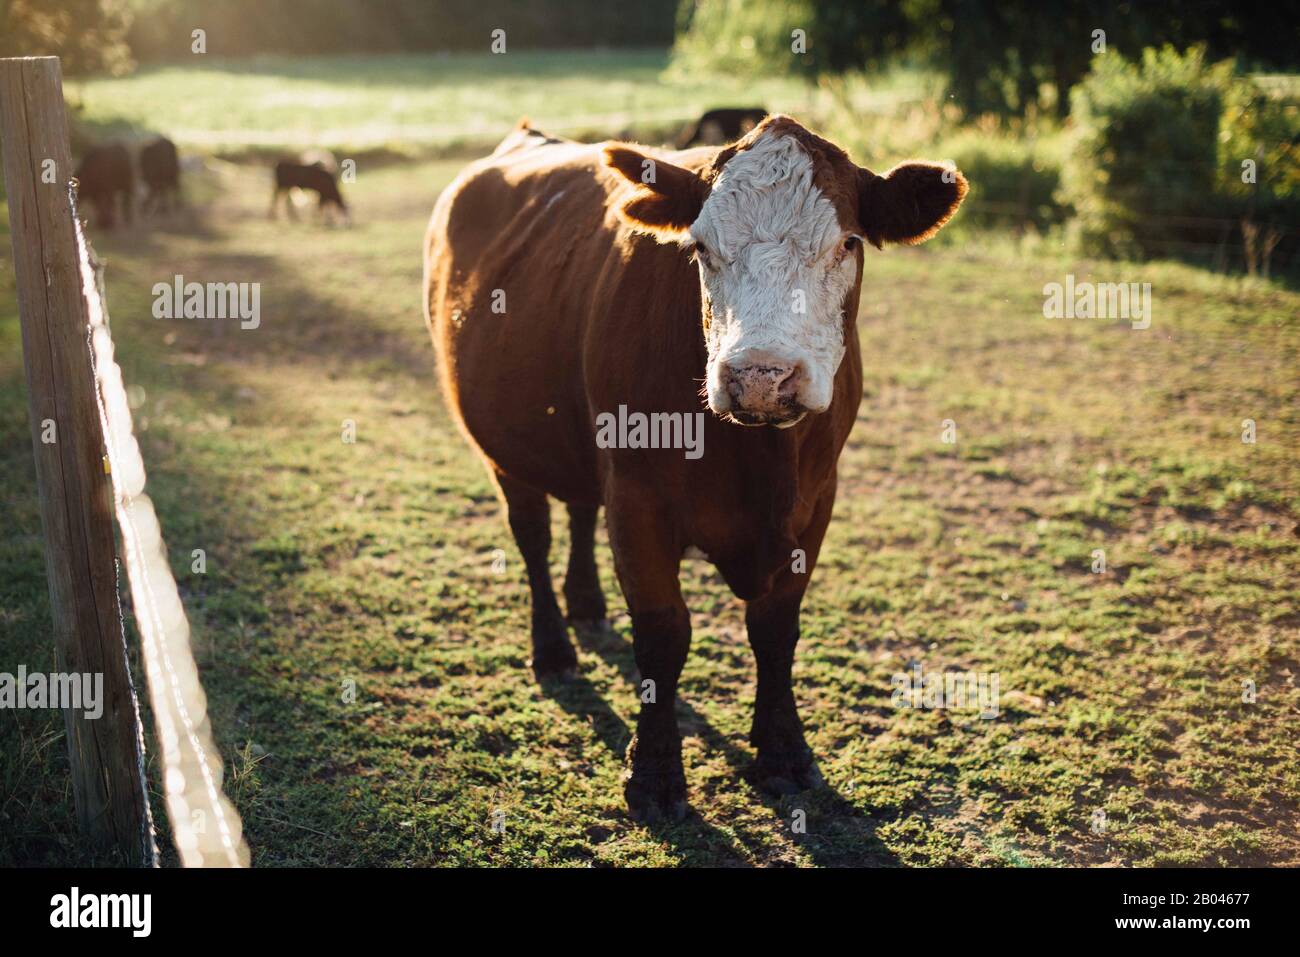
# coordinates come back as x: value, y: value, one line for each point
x: 772, y: 477
x: 781, y: 475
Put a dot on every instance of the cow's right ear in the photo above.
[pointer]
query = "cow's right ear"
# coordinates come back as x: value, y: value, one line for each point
x: 667, y: 200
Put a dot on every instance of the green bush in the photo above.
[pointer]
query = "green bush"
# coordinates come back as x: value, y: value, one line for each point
x: 1259, y: 165
x: 1013, y: 182
x: 1142, y: 165
x: 87, y: 35
x: 1013, y: 166
x: 739, y: 36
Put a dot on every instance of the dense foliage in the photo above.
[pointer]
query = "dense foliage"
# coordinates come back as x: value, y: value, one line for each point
x: 1175, y: 152
x: 89, y: 35
x: 94, y: 35
x: 999, y: 56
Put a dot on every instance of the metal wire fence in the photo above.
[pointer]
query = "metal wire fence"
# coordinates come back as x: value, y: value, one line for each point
x: 206, y: 828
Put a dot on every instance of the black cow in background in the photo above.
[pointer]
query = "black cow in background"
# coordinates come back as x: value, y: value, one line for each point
x: 315, y: 177
x: 721, y: 126
x: 104, y: 174
x: 160, y: 168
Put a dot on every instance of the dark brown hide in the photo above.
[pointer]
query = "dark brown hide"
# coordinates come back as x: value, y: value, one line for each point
x: 550, y: 302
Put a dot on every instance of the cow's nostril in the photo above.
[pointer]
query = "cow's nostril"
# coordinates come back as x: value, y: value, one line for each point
x: 789, y: 386
x: 735, y: 387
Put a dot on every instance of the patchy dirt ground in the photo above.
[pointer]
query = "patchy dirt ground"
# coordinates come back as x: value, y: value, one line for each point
x: 1127, y: 731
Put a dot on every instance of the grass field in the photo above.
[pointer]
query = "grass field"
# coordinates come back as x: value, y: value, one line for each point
x: 329, y: 562
x: 422, y: 104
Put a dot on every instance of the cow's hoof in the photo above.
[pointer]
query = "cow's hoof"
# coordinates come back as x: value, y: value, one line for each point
x: 555, y: 662
x: 584, y: 606
x: 552, y: 674
x: 790, y: 776
x: 594, y: 627
x: 656, y: 798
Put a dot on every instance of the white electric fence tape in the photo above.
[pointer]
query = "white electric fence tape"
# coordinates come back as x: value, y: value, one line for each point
x: 205, y: 826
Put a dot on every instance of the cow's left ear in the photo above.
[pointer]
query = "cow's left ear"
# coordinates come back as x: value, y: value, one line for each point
x: 668, y: 198
x: 910, y: 203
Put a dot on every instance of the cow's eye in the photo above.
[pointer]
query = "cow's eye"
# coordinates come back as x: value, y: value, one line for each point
x: 845, y: 249
x: 703, y: 255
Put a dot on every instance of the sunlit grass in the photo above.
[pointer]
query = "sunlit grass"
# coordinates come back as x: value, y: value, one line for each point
x: 371, y: 562
x: 415, y: 103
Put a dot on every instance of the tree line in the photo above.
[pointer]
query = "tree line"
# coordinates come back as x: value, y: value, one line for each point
x: 113, y: 35
x: 998, y: 56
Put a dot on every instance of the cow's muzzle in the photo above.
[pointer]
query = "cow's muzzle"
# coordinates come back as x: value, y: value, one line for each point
x: 762, y: 389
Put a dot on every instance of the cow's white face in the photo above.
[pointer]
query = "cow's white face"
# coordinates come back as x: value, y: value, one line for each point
x: 777, y: 258
x: 776, y: 268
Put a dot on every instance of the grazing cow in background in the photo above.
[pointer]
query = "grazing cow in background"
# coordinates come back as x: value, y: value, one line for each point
x: 566, y: 283
x: 104, y: 175
x: 721, y: 126
x: 160, y: 168
x: 315, y: 177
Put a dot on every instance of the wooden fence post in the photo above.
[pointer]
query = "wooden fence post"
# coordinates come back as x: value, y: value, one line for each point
x: 76, y: 509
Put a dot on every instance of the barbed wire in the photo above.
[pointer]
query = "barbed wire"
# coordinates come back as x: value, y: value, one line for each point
x: 205, y: 826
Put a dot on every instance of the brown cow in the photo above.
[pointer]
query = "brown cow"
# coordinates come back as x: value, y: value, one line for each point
x: 160, y: 168
x: 316, y: 177
x: 104, y: 174
x: 568, y: 284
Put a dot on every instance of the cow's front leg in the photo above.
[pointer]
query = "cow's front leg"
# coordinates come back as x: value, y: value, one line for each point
x: 656, y: 782
x: 647, y: 560
x: 785, y: 763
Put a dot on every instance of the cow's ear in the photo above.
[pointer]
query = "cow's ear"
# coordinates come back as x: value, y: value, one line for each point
x: 910, y: 203
x: 668, y: 198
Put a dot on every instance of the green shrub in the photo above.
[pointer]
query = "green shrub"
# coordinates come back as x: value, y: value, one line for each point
x: 1142, y: 165
x: 738, y: 36
x: 1013, y: 165
x: 1013, y: 182
x: 1259, y: 165
x: 86, y: 35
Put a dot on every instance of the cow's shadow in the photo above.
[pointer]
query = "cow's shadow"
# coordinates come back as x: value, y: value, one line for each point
x: 824, y: 823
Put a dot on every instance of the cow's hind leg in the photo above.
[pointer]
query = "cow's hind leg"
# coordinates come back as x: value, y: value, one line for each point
x: 529, y: 515
x: 583, y: 599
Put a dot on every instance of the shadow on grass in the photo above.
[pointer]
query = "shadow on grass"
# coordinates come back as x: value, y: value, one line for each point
x: 296, y: 325
x: 580, y: 698
x: 251, y: 697
x: 261, y: 706
x: 838, y: 833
